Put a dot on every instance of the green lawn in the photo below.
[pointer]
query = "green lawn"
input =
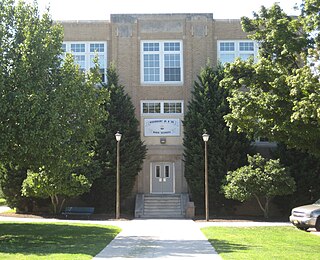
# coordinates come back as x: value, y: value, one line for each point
x: 263, y: 243
x: 3, y: 202
x: 53, y: 240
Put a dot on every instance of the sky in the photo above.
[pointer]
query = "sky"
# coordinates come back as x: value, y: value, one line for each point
x: 101, y: 9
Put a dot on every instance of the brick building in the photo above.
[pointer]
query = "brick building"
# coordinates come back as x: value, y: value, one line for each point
x: 158, y: 57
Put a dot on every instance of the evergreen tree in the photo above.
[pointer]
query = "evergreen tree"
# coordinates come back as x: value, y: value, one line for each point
x: 121, y: 117
x: 226, y: 149
x: 305, y: 169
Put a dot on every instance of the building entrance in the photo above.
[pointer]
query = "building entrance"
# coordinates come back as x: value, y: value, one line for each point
x: 162, y: 178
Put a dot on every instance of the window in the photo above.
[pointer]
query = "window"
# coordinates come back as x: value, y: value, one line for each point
x: 78, y: 47
x: 85, y: 52
x: 262, y: 139
x: 158, y: 171
x: 264, y: 142
x: 64, y: 47
x: 162, y: 107
x: 151, y: 108
x: 228, y: 51
x: 161, y: 62
x: 172, y: 107
x: 167, y: 171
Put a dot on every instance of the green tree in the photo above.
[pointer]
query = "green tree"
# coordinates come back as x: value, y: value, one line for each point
x: 262, y: 179
x: 226, y: 149
x: 121, y: 117
x: 64, y: 174
x: 282, y: 97
x: 30, y: 48
x: 11, y: 179
x: 305, y: 169
x: 55, y: 186
x: 50, y: 112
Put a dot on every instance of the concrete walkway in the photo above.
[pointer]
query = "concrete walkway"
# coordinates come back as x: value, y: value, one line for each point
x: 160, y: 239
x: 146, y: 239
x: 156, y: 238
x: 4, y: 209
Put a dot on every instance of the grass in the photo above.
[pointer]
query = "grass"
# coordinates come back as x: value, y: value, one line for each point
x: 53, y: 240
x: 263, y: 243
x: 10, y: 210
x: 3, y: 202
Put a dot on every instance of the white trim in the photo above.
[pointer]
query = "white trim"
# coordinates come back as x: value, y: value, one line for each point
x: 151, y: 176
x: 237, y: 53
x: 161, y: 106
x: 87, y: 53
x: 173, y: 178
x: 161, y: 54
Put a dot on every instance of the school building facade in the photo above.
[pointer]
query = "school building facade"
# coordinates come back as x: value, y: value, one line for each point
x: 158, y: 57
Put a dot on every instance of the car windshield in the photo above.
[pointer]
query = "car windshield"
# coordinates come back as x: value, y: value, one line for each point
x: 317, y: 202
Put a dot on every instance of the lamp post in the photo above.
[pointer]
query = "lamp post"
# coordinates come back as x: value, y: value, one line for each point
x: 118, y: 138
x: 205, y: 138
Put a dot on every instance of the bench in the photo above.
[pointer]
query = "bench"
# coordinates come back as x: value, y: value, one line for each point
x: 78, y: 211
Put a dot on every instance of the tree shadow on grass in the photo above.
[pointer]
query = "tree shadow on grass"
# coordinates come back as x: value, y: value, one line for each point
x: 224, y: 246
x: 46, y: 239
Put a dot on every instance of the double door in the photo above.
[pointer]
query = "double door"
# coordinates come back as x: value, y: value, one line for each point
x: 162, y: 178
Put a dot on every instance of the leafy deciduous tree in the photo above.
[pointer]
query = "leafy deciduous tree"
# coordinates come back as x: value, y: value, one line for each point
x: 282, y: 97
x: 55, y: 186
x: 49, y: 110
x: 261, y: 179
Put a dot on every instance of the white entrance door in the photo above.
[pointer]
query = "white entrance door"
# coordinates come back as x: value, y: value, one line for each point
x: 162, y: 178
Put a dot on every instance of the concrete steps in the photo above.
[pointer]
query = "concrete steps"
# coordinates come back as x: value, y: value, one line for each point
x: 161, y: 206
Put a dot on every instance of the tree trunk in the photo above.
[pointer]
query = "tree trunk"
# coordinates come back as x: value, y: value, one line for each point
x: 264, y: 208
x: 61, y: 205
x: 55, y: 202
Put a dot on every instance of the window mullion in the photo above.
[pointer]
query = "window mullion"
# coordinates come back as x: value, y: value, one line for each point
x: 161, y: 54
x: 87, y: 56
x: 237, y: 49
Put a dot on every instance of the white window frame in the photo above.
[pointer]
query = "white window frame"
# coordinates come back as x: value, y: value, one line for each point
x: 237, y: 52
x: 161, y: 102
x: 263, y: 142
x: 161, y: 54
x: 89, y: 55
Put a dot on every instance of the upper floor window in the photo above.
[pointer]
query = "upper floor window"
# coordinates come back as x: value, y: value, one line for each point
x: 162, y: 107
x: 264, y: 141
x: 161, y: 62
x: 228, y: 51
x: 85, y: 52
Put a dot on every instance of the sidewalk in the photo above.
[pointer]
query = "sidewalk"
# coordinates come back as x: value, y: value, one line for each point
x: 4, y: 209
x: 160, y: 239
x: 149, y: 238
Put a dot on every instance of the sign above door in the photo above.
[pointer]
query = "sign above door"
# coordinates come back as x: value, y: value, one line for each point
x: 162, y: 127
